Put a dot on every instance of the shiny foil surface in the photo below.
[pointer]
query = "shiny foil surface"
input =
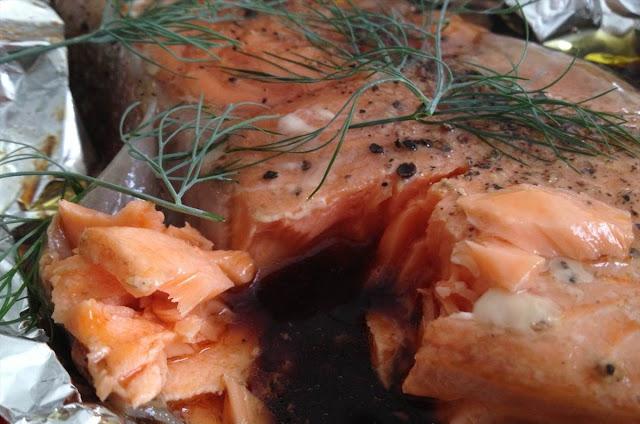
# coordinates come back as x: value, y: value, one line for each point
x: 37, y: 111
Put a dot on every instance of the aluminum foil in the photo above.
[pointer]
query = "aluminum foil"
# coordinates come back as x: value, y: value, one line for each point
x: 552, y: 18
x: 36, y: 109
x: 33, y: 382
x: 75, y: 413
x: 36, y: 106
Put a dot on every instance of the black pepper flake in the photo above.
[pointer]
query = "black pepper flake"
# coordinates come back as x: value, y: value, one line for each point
x: 232, y: 79
x: 564, y: 265
x: 626, y: 198
x: 270, y: 175
x: 362, y: 111
x: 306, y: 165
x: 384, y: 184
x: 376, y: 148
x: 610, y: 369
x: 446, y: 148
x: 248, y: 13
x: 396, y: 104
x: 497, y: 187
x: 410, y: 145
x: 634, y: 253
x: 264, y: 100
x: 375, y: 88
x: 406, y: 170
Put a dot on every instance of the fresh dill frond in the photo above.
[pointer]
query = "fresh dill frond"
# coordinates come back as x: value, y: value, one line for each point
x: 186, y: 135
x: 20, y: 251
x: 495, y: 107
x: 499, y: 111
x: 353, y: 41
x: 193, y: 126
x: 164, y: 24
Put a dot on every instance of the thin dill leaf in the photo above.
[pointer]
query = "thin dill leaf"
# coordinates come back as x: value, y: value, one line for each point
x: 185, y: 135
x: 183, y: 22
x: 16, y: 282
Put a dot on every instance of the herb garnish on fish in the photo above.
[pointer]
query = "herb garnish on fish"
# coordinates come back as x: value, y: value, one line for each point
x: 181, y: 23
x: 378, y: 44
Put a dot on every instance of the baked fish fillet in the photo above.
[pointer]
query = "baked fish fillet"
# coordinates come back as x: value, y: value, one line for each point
x: 525, y: 275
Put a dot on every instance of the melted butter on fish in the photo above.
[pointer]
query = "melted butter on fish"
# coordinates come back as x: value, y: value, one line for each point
x: 518, y: 311
x: 569, y: 271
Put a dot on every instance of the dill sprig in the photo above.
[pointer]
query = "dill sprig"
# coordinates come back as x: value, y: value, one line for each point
x: 180, y: 23
x: 186, y: 135
x: 353, y: 42
x: 500, y: 112
x: 193, y: 126
x: 495, y: 107
x: 20, y: 281
x: 74, y: 179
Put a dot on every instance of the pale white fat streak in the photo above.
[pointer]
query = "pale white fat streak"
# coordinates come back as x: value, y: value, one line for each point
x: 518, y: 311
x: 304, y: 121
x: 292, y: 124
x: 310, y: 206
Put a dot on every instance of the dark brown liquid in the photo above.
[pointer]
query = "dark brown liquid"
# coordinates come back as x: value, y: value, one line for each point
x: 315, y: 364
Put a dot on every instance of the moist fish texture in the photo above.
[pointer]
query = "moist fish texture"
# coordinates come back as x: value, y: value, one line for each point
x: 275, y: 220
x: 143, y: 304
x: 524, y: 275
